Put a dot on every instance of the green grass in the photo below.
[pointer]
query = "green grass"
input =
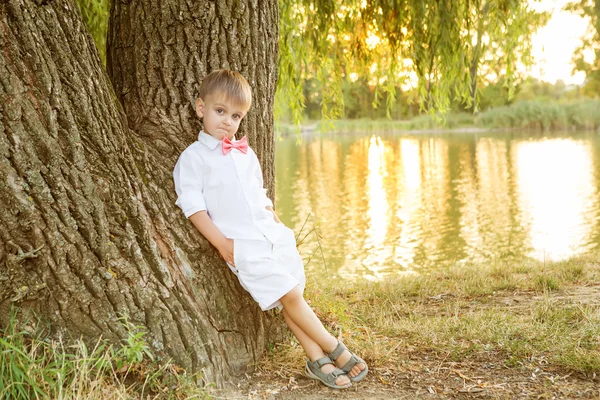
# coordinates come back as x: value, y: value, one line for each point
x: 33, y: 366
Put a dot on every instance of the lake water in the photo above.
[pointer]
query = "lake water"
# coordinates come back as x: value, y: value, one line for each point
x: 393, y: 204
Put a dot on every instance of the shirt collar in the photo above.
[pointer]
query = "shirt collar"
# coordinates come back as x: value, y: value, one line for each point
x: 208, y: 140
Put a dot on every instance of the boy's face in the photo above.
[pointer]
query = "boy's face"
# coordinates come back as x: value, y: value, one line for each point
x: 221, y: 116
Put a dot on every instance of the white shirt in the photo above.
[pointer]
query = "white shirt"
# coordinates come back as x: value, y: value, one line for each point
x: 229, y: 187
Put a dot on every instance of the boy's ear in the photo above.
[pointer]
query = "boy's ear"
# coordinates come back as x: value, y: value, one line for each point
x: 200, y: 107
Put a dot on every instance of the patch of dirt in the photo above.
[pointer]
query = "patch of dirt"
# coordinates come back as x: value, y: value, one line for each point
x: 522, y: 300
x: 433, y: 379
x: 588, y: 295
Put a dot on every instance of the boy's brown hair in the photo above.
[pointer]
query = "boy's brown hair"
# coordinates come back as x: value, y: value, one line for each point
x: 230, y: 83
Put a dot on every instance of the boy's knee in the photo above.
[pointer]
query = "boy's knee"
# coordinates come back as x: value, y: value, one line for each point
x: 292, y: 296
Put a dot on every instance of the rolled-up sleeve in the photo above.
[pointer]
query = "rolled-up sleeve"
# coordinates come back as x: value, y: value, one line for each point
x: 188, y: 184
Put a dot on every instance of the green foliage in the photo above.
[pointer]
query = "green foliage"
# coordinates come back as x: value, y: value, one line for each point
x: 438, y: 47
x: 591, y: 43
x: 496, y: 94
x: 533, y: 89
x: 135, y: 348
x: 95, y: 14
x: 432, y: 45
x: 359, y: 99
x: 34, y: 366
x: 544, y: 115
x: 540, y: 114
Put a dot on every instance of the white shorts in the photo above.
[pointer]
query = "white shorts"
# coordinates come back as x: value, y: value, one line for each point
x: 268, y: 270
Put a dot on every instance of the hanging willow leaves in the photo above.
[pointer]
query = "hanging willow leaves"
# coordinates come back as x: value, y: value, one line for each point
x: 439, y: 48
x: 587, y: 56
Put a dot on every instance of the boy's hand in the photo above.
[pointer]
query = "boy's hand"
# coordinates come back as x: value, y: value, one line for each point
x: 226, y: 251
x: 206, y: 227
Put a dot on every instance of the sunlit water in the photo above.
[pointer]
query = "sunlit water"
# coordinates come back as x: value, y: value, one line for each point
x: 397, y: 204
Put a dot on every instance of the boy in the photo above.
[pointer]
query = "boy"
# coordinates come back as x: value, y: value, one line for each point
x: 219, y: 185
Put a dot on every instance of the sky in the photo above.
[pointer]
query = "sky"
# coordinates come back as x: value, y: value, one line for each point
x: 553, y: 45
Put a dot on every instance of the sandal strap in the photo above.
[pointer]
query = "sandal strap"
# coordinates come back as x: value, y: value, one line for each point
x: 320, y: 362
x: 351, y: 363
x: 332, y: 376
x: 337, y: 351
x: 315, y: 367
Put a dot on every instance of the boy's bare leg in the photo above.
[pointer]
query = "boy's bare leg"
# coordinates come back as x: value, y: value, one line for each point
x: 300, y: 313
x: 312, y: 349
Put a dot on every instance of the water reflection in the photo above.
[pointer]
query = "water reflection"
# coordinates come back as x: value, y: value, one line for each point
x: 556, y: 192
x: 395, y: 204
x: 377, y: 210
x: 408, y: 202
x: 486, y: 196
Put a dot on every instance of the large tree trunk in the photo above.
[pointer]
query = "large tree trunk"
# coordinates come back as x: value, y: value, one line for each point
x: 88, y: 226
x: 159, y: 51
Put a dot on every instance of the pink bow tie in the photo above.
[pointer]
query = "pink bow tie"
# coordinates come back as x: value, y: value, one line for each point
x: 241, y: 145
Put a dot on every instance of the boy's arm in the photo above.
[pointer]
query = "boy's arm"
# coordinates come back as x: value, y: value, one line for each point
x: 201, y: 220
x: 187, y: 176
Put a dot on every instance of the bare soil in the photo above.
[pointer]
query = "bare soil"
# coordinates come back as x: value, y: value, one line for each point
x: 427, y: 375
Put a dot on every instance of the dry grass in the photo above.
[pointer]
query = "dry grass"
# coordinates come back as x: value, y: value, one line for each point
x: 510, y: 313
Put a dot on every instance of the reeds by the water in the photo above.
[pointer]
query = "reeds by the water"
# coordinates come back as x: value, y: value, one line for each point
x: 537, y: 115
x: 544, y: 115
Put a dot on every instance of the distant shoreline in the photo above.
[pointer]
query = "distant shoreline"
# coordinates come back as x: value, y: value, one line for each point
x: 313, y: 130
x: 531, y: 115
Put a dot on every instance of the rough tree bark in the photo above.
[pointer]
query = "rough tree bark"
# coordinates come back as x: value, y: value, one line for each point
x: 88, y: 226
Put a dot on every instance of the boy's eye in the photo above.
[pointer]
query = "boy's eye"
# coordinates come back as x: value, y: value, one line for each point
x: 236, y: 116
x: 220, y: 111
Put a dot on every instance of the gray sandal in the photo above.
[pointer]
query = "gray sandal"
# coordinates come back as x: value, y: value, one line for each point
x: 354, y: 359
x: 313, y: 371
